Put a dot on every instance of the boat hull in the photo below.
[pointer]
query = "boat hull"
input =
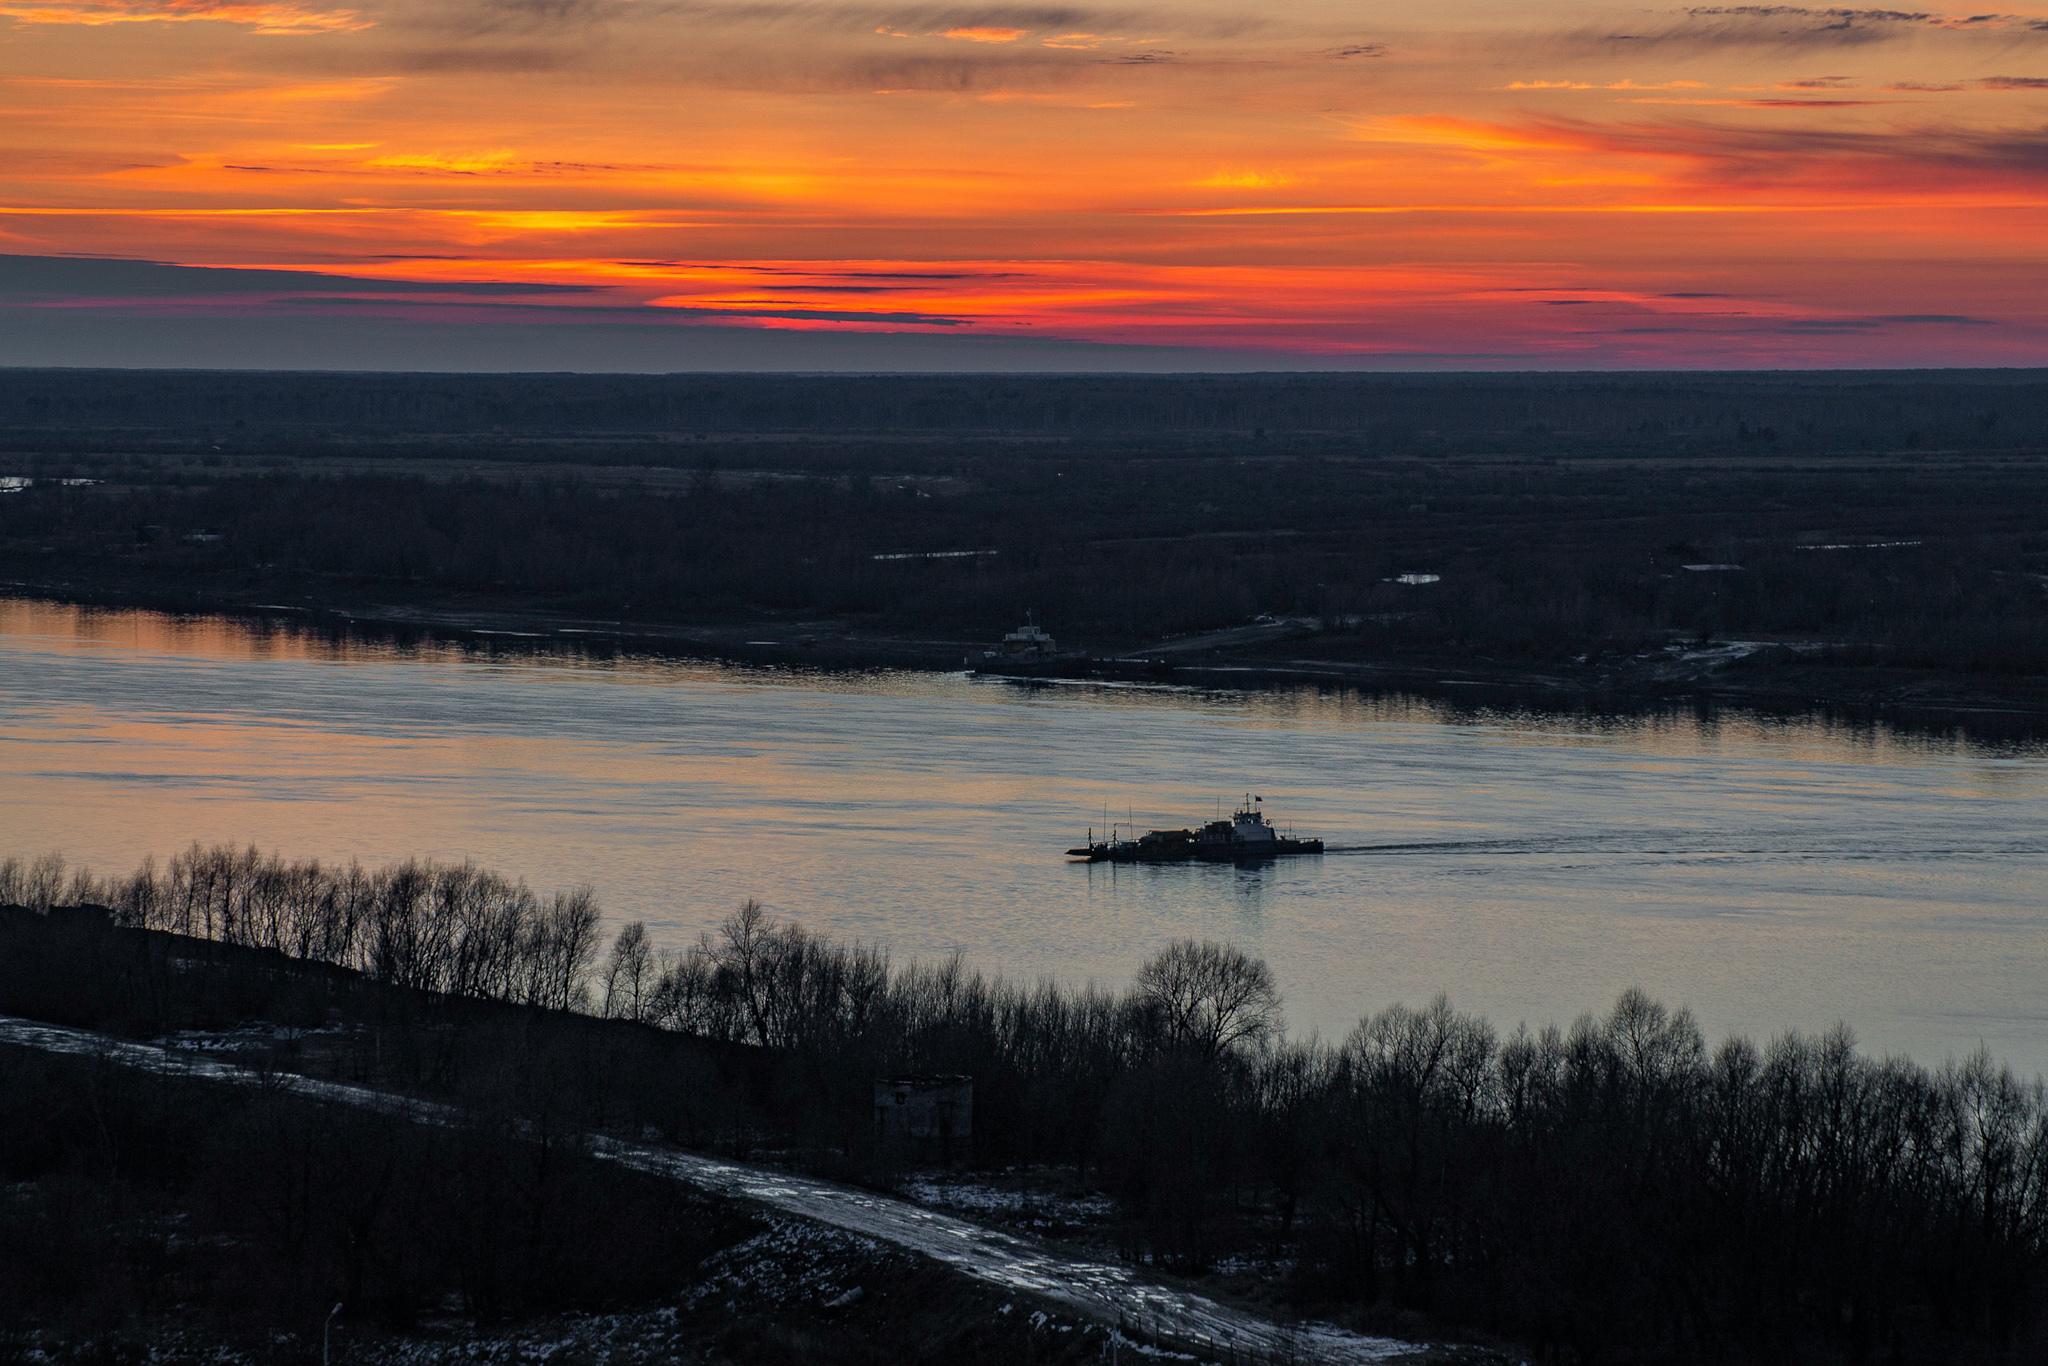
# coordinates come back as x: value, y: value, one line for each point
x: 1130, y: 851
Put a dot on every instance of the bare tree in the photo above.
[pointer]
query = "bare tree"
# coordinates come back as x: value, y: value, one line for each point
x: 565, y: 944
x: 626, y: 974
x: 681, y: 997
x: 45, y: 883
x: 1209, y: 996
x: 743, y: 961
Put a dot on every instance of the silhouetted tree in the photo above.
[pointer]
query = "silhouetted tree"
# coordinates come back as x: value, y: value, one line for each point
x: 1209, y: 997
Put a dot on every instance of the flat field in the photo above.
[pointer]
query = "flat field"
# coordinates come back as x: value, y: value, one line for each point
x: 1872, y: 541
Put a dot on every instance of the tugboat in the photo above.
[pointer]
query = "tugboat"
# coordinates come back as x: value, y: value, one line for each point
x: 1245, y: 836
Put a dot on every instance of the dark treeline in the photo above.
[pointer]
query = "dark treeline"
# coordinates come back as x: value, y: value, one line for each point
x: 1934, y: 565
x: 1646, y: 412
x: 1618, y: 1190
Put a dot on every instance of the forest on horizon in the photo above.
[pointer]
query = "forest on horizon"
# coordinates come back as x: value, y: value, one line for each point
x: 1643, y: 413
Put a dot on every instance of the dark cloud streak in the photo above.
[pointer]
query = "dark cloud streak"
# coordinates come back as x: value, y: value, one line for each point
x: 1789, y: 27
x: 1933, y: 156
x: 641, y: 314
x: 484, y: 18
x: 55, y: 278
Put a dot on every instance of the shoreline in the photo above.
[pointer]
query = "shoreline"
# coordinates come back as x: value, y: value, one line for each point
x: 1994, y: 707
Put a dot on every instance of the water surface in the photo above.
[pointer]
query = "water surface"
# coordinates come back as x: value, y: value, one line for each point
x: 1771, y: 873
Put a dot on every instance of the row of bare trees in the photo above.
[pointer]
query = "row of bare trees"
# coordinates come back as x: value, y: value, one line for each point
x: 459, y: 930
x: 779, y: 986
x: 449, y: 928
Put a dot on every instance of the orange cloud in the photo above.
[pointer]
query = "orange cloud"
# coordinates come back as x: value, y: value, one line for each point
x: 1247, y: 180
x: 1614, y: 85
x: 252, y: 14
x: 985, y: 35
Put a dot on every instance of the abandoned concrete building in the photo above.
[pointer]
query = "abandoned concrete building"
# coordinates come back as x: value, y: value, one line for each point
x: 924, y: 1118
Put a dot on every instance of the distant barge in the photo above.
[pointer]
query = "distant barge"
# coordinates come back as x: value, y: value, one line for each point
x: 1030, y: 652
x: 1245, y: 836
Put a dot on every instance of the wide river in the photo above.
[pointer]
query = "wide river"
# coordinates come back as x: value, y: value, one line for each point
x: 1773, y: 874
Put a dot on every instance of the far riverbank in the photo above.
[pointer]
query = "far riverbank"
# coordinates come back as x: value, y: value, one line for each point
x: 1781, y: 677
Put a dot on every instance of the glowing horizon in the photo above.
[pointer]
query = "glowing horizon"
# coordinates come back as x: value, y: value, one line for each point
x: 1588, y: 186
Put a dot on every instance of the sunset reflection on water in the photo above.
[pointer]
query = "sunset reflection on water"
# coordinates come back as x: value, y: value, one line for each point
x: 1772, y: 873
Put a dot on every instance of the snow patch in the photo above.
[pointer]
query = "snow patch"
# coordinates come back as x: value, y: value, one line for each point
x: 1034, y: 1209
x: 790, y: 1263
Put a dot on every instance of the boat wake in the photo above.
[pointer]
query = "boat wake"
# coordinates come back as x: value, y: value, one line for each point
x: 1599, y: 844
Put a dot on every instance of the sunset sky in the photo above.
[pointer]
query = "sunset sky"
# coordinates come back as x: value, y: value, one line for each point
x: 690, y: 184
